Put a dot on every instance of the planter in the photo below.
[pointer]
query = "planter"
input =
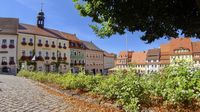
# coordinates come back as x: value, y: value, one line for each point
x: 59, y: 58
x: 47, y: 58
x: 11, y: 63
x: 4, y: 46
x: 11, y: 46
x: 24, y: 43
x: 65, y: 58
x: 39, y: 45
x: 64, y: 47
x: 53, y: 58
x: 29, y: 57
x: 30, y: 44
x: 4, y: 63
x: 23, y: 58
x: 39, y: 58
x: 60, y: 47
x: 46, y: 45
x: 53, y: 46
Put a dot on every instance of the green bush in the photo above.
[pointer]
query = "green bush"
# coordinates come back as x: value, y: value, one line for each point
x: 177, y: 84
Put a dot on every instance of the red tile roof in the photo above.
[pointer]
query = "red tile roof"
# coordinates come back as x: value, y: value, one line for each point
x: 180, y: 43
x: 8, y: 25
x: 139, y: 57
x: 196, y: 47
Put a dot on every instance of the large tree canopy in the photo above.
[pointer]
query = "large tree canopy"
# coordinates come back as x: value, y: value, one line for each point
x: 156, y: 18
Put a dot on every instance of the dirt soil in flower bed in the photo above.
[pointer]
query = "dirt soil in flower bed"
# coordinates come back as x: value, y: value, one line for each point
x: 89, y: 102
x: 79, y: 99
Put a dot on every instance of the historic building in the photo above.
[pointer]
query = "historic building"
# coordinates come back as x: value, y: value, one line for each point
x: 139, y: 61
x: 153, y: 60
x: 42, y: 49
x: 124, y: 59
x: 35, y: 47
x: 8, y: 45
x: 77, y: 54
x: 94, y: 58
x: 109, y: 61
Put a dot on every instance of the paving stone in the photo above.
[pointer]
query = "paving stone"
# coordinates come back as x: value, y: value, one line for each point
x: 23, y: 95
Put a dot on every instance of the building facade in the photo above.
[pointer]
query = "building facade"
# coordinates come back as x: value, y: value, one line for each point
x: 94, y: 58
x: 124, y: 59
x: 139, y: 61
x: 8, y: 42
x: 109, y: 61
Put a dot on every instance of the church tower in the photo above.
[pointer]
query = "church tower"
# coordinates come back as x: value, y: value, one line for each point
x: 40, y: 19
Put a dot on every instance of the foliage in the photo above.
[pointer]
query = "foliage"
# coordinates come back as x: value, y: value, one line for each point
x: 178, y: 84
x: 156, y: 18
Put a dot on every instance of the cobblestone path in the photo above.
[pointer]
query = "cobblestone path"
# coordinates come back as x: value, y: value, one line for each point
x: 22, y: 95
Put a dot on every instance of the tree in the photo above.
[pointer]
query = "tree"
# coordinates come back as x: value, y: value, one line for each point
x: 156, y: 18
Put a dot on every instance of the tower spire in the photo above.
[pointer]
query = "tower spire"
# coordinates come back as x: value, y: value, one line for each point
x: 41, y: 17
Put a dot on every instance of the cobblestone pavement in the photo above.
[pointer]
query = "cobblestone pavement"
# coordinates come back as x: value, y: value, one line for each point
x: 22, y: 95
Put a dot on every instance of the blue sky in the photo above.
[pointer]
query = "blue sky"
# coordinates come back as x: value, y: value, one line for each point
x: 61, y: 15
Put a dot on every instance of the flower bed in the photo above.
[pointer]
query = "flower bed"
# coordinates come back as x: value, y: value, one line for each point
x: 177, y: 88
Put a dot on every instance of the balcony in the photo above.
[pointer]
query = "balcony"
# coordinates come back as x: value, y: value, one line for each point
x: 39, y: 58
x: 11, y: 63
x: 53, y: 46
x: 3, y: 46
x: 4, y: 63
x: 30, y: 44
x: 24, y: 43
x: 39, y: 45
x: 11, y: 46
x: 47, y: 58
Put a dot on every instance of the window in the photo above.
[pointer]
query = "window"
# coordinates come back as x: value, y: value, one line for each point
x: 4, y: 59
x: 24, y: 40
x: 53, y: 54
x: 4, y: 41
x: 47, y: 54
x: 53, y: 43
x: 40, y: 41
x: 31, y: 40
x: 59, y: 44
x: 47, y: 42
x: 11, y: 59
x: 75, y: 53
x: 23, y: 53
x: 12, y: 42
x: 64, y: 45
x: 64, y: 54
x: 60, y: 55
x: 31, y: 53
x: 40, y: 53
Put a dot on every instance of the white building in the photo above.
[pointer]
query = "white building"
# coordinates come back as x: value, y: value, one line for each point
x: 8, y: 48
